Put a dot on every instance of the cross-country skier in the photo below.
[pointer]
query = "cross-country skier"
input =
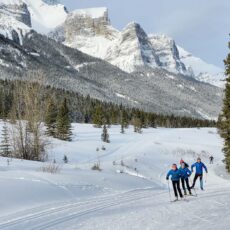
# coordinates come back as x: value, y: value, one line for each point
x: 211, y: 158
x: 185, y: 174
x: 175, y: 174
x: 199, y: 172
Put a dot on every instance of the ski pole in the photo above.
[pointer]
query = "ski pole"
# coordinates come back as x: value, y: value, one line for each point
x: 170, y: 198
x: 193, y: 187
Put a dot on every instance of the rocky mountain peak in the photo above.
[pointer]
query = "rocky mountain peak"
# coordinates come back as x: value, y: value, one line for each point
x: 132, y: 50
x: 166, y: 49
x: 88, y: 22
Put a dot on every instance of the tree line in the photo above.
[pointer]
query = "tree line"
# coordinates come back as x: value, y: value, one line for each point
x: 84, y: 109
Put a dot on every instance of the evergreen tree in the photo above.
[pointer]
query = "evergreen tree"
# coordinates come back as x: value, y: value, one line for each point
x: 224, y: 120
x: 124, y: 119
x: 122, y: 128
x: 105, y: 135
x: 51, y: 118
x: 98, y: 116
x: 5, y: 143
x: 64, y: 122
x: 65, y: 159
x: 151, y: 121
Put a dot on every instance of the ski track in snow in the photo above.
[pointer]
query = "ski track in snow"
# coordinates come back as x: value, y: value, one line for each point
x: 146, y: 204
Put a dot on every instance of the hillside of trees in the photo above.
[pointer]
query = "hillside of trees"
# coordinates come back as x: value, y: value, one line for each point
x: 89, y: 110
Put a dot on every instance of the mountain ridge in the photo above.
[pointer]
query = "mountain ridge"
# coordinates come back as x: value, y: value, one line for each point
x: 151, y: 89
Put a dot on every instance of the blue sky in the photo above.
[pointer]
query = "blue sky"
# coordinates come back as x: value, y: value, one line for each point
x: 200, y: 26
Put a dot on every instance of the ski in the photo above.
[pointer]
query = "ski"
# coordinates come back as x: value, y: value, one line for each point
x: 191, y: 195
x: 183, y: 199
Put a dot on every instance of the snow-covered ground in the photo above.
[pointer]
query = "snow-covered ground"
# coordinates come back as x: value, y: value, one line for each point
x: 80, y: 198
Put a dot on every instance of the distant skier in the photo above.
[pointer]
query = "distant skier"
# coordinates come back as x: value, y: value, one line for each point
x: 211, y: 158
x: 185, y: 174
x: 183, y: 162
x: 199, y: 172
x: 175, y: 174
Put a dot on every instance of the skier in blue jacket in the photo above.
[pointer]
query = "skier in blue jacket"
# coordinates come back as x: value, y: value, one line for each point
x: 175, y: 174
x: 200, y: 166
x: 185, y: 174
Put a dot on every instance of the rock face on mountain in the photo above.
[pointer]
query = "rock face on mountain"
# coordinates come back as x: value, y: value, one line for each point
x: 15, y: 20
x: 19, y: 11
x: 89, y: 31
x: 168, y: 54
x: 132, y: 50
x: 87, y: 23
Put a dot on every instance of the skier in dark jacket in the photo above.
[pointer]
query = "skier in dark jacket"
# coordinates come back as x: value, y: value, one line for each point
x: 175, y: 174
x: 185, y: 174
x: 199, y: 172
x: 211, y: 158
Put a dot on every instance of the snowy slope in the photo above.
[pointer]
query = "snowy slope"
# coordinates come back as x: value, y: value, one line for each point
x: 79, y: 198
x: 12, y: 28
x: 202, y: 71
x: 44, y: 16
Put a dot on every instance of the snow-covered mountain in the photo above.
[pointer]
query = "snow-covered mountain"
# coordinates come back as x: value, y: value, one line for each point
x: 15, y: 20
x: 152, y: 84
x: 90, y: 31
x: 202, y: 71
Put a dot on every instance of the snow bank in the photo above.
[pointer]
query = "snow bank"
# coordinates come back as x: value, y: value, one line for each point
x: 137, y: 197
x: 91, y: 12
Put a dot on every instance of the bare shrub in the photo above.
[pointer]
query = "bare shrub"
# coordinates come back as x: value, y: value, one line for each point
x: 27, y: 115
x: 51, y: 168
